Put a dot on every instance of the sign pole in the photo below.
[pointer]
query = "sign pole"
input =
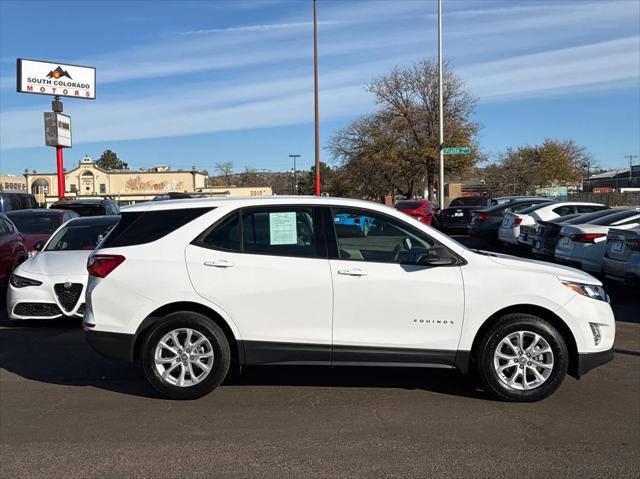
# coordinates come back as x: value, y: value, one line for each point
x: 57, y: 107
x: 315, y: 96
x: 440, y: 109
x: 60, y: 169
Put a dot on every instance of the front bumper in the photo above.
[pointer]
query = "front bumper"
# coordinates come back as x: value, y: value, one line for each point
x: 589, y: 361
x: 112, y: 345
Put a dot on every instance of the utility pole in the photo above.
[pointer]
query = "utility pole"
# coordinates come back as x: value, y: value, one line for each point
x: 295, y: 181
x: 315, y: 91
x: 440, y: 109
x: 631, y: 157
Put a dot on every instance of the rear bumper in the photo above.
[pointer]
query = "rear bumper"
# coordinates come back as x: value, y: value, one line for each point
x: 589, y: 361
x: 112, y: 345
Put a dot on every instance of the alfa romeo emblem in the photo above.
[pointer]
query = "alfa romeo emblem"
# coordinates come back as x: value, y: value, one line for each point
x: 67, y: 285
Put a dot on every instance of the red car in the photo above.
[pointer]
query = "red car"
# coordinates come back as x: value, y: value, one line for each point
x: 422, y: 210
x: 12, y: 249
x: 37, y: 225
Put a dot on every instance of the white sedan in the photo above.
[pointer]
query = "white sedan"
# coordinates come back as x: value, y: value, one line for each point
x: 519, y: 228
x: 584, y: 245
x: 51, y: 284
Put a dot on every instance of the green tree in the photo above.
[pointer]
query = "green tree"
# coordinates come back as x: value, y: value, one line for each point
x: 110, y: 161
x: 522, y: 170
x: 307, y: 180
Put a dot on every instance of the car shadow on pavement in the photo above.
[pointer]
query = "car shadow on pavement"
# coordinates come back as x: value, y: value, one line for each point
x: 55, y: 353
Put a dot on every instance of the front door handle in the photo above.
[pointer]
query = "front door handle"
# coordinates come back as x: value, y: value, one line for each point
x: 352, y: 272
x: 219, y: 263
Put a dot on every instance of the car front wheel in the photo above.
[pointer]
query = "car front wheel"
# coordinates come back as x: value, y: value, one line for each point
x: 522, y: 358
x: 186, y: 356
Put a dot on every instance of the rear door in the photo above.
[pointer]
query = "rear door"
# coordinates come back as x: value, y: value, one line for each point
x: 267, y: 268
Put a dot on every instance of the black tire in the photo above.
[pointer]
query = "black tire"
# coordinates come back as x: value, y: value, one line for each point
x: 204, y: 326
x: 490, y: 341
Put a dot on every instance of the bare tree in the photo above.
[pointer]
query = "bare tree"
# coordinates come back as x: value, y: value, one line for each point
x: 225, y: 172
x: 400, y: 142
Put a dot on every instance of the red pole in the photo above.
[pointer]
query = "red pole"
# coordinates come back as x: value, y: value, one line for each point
x: 315, y: 91
x: 60, y: 168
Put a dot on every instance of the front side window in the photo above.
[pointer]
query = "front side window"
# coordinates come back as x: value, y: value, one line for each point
x: 368, y: 236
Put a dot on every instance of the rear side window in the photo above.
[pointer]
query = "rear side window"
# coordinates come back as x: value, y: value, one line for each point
x: 281, y: 231
x: 563, y: 210
x: 142, y: 227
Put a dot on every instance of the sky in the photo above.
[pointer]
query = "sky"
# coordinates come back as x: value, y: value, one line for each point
x: 199, y: 83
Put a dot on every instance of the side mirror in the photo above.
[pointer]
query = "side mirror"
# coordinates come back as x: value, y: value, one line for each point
x: 438, y: 255
x: 38, y: 245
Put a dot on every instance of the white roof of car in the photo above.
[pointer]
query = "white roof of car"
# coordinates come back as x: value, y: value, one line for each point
x: 248, y: 201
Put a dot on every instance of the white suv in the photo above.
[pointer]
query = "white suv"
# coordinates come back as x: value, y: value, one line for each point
x: 194, y: 287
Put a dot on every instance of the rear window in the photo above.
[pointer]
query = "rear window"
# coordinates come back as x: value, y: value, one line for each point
x: 36, y: 224
x: 83, y: 210
x: 408, y: 205
x: 535, y: 207
x: 469, y: 201
x: 142, y: 227
x: 616, y: 218
x: 589, y: 217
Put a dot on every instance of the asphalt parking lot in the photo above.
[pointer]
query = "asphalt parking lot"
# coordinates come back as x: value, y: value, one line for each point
x: 67, y: 412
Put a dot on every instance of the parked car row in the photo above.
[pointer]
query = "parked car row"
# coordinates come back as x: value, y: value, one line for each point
x: 585, y: 235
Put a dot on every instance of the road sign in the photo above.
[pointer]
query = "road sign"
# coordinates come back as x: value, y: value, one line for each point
x: 457, y: 150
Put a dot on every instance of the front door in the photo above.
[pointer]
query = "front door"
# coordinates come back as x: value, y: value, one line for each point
x: 267, y: 268
x: 388, y: 308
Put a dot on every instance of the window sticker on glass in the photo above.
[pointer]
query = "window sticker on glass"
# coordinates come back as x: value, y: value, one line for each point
x: 282, y: 228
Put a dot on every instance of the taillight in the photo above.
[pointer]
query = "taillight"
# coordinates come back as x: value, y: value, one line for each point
x: 586, y: 237
x: 100, y: 265
x: 517, y: 221
x: 483, y: 217
x: 633, y: 244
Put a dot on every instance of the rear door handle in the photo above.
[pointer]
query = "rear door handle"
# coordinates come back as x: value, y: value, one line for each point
x: 219, y: 263
x: 352, y: 272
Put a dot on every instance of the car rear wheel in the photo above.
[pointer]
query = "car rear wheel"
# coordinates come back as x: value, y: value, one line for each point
x: 522, y: 358
x: 186, y: 356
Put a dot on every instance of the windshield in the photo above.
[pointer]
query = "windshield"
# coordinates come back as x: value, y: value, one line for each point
x: 30, y: 224
x: 79, y: 236
x: 469, y: 201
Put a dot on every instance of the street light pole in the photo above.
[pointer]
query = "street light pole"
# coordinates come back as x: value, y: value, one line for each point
x: 295, y: 181
x: 440, y: 109
x: 315, y: 92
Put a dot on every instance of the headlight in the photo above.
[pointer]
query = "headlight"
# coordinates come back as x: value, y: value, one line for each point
x: 589, y: 290
x: 21, y: 282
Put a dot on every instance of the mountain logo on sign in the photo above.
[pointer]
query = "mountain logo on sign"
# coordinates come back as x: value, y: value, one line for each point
x: 59, y: 73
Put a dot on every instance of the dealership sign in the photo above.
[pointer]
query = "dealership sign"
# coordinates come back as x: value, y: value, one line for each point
x: 46, y: 78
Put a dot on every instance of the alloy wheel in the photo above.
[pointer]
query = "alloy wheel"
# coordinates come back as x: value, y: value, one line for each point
x: 523, y: 360
x: 183, y: 357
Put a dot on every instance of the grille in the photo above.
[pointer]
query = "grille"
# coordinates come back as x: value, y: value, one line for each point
x: 68, y: 297
x: 81, y: 309
x: 37, y: 309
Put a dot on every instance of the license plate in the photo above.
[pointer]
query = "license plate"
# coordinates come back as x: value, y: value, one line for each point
x: 458, y: 214
x: 505, y: 222
x: 564, y: 242
x: 617, y: 247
